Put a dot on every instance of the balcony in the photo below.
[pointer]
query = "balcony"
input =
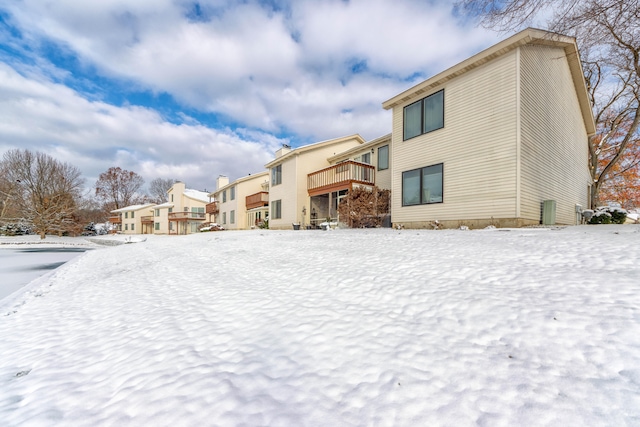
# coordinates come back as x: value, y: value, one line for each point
x: 211, y: 208
x: 341, y: 176
x: 115, y: 219
x: 147, y: 219
x: 257, y: 200
x: 186, y: 216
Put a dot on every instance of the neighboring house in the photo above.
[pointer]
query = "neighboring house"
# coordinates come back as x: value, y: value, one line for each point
x: 129, y: 219
x: 184, y: 213
x: 489, y: 140
x: 244, y: 203
x: 299, y: 174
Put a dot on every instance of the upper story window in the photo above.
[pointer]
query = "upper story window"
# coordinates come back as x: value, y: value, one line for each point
x: 424, y: 116
x: 224, y: 196
x: 276, y: 175
x: 133, y: 214
x: 157, y: 212
x: 383, y: 157
x: 126, y: 214
x: 232, y: 193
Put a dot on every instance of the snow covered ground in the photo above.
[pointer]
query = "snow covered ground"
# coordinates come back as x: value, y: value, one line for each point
x: 332, y: 328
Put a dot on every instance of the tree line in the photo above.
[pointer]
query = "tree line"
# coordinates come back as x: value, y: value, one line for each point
x: 42, y: 195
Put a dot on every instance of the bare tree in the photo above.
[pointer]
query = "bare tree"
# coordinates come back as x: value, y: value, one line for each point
x: 118, y: 188
x: 46, y: 191
x: 158, y: 189
x: 608, y: 35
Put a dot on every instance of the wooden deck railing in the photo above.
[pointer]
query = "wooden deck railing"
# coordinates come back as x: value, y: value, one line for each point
x: 211, y: 208
x: 340, y: 176
x: 257, y: 200
x: 184, y: 216
x: 146, y: 219
x: 115, y: 220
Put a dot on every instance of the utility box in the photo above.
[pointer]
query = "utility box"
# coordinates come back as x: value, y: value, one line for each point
x: 549, y: 212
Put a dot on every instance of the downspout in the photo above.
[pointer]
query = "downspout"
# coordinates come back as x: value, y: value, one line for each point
x: 518, y: 134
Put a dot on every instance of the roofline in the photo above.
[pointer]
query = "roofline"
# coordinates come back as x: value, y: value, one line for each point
x: 314, y: 146
x: 379, y: 140
x: 131, y: 208
x: 528, y: 36
x: 239, y: 180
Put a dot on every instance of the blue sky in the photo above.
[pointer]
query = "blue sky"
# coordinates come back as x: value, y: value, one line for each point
x: 191, y: 90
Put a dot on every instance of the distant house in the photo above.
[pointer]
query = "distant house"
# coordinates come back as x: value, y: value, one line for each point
x: 183, y: 213
x: 242, y: 204
x: 304, y: 187
x: 129, y: 220
x: 489, y: 140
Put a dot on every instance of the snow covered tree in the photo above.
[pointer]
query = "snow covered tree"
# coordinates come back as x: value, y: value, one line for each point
x: 608, y: 35
x: 46, y: 191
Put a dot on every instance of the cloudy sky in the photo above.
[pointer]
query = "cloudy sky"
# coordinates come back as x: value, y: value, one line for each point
x: 191, y: 90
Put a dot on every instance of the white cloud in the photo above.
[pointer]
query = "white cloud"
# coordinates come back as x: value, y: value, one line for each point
x: 94, y: 136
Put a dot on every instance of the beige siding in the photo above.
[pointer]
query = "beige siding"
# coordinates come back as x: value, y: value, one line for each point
x: 293, y: 190
x: 243, y: 187
x: 477, y: 147
x: 554, y: 151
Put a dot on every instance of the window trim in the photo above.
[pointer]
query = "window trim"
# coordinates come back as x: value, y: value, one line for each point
x: 421, y: 202
x: 422, y: 131
x: 277, y: 209
x: 380, y: 148
x: 276, y: 175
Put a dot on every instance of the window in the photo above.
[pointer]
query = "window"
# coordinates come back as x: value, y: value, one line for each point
x: 126, y: 227
x: 133, y: 227
x: 132, y: 214
x: 157, y: 212
x: 424, y: 116
x: 276, y: 175
x: 170, y: 210
x: 224, y: 196
x: 126, y: 214
x: 156, y: 225
x: 366, y: 158
x: 224, y: 217
x: 232, y: 217
x: 276, y: 209
x: 232, y: 193
x: 172, y: 198
x: 198, y: 212
x: 422, y: 186
x: 383, y: 157
x: 342, y: 166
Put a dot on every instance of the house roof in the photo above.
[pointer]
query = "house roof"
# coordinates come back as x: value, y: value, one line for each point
x: 311, y: 147
x: 528, y: 36
x: 239, y: 180
x: 381, y: 140
x: 197, y: 195
x: 164, y: 205
x: 133, y: 208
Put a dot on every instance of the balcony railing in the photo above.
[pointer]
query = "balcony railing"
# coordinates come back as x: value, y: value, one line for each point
x: 211, y: 208
x: 147, y: 219
x: 115, y: 220
x: 341, y: 176
x: 257, y: 200
x: 184, y: 216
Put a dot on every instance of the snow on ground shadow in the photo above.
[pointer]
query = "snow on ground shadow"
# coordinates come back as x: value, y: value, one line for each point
x: 333, y: 328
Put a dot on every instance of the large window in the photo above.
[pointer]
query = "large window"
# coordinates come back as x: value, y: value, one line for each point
x: 424, y: 116
x: 232, y: 191
x: 224, y: 217
x: 422, y: 186
x: 232, y: 217
x: 383, y: 157
x: 276, y: 209
x: 156, y: 225
x: 276, y: 175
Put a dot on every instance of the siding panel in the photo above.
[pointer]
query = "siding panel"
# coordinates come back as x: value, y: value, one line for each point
x: 477, y: 147
x: 554, y: 147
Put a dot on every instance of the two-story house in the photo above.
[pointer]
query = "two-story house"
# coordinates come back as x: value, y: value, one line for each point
x: 244, y: 203
x: 183, y: 213
x: 496, y: 139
